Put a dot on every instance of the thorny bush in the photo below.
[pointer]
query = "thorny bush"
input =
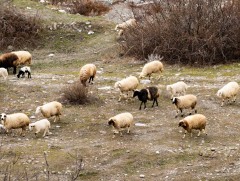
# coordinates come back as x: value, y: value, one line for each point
x: 197, y: 32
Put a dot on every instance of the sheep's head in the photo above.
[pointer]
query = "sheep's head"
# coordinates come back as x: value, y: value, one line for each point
x: 136, y: 93
x: 175, y: 100
x: 38, y: 110
x: 3, y: 118
x: 117, y: 85
x: 219, y: 93
x: 183, y: 123
x: 31, y: 126
x: 111, y: 122
x: 142, y: 75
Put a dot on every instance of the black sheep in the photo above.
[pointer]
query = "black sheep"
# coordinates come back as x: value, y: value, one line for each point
x: 150, y: 93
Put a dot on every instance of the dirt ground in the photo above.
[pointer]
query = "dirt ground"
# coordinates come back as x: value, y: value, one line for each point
x: 153, y: 151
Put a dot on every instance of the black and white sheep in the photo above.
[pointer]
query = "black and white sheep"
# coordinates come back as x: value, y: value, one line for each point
x: 125, y: 85
x: 15, y: 121
x: 39, y: 126
x: 229, y: 91
x: 3, y: 73
x: 197, y: 121
x: 154, y: 66
x: 88, y: 71
x: 177, y: 89
x: 185, y: 102
x: 14, y: 59
x: 150, y: 93
x: 50, y: 109
x: 23, y: 70
x: 121, y: 121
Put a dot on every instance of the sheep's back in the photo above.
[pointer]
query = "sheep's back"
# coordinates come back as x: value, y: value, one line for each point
x: 51, y: 109
x: 230, y: 89
x: 23, y: 57
x: 152, y: 67
x: 187, y: 101
x: 197, y: 121
x: 129, y: 83
x: 124, y: 119
x: 87, y: 71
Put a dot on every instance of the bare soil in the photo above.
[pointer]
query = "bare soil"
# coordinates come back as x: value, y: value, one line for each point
x: 155, y: 151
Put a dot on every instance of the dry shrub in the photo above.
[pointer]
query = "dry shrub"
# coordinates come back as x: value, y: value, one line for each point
x: 17, y: 29
x: 76, y: 93
x: 83, y: 7
x: 197, y: 32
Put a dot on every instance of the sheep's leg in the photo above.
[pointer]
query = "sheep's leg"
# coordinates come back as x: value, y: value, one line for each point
x: 128, y: 130
x: 45, y: 131
x: 153, y: 102
x: 185, y: 132
x: 222, y: 103
x: 181, y: 113
x: 234, y: 98
x: 140, y: 106
x: 145, y: 105
x: 199, y: 133
x: 156, y: 101
x: 14, y: 70
x: 120, y: 96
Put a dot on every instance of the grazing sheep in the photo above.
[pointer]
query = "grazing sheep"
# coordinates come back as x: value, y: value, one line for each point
x: 120, y: 121
x: 14, y: 59
x: 50, y: 109
x: 177, y: 89
x: 128, y: 84
x: 23, y: 70
x: 228, y: 91
x: 8, y: 60
x: 88, y: 71
x: 150, y: 93
x: 15, y: 121
x: 4, y: 73
x: 41, y: 125
x: 153, y: 66
x: 197, y: 121
x: 129, y: 23
x: 24, y: 57
x: 185, y: 102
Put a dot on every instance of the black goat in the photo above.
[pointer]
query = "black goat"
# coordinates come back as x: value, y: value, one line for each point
x: 150, y: 93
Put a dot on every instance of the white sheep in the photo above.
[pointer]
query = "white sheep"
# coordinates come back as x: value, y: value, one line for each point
x: 185, y: 102
x: 88, y: 71
x: 128, y: 84
x: 24, y: 57
x: 15, y: 121
x: 229, y: 91
x: 4, y: 73
x: 151, y: 67
x: 41, y: 125
x: 177, y: 89
x: 120, y: 121
x: 50, y: 109
x: 197, y: 121
x: 129, y: 23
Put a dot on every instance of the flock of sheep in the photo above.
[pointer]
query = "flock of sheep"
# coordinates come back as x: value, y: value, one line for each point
x: 126, y: 85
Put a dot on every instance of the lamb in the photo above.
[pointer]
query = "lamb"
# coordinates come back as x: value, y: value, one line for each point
x: 50, y: 109
x: 14, y: 59
x: 178, y: 88
x: 150, y: 93
x: 229, y: 91
x: 41, y: 125
x: 185, y: 102
x: 151, y: 67
x: 129, y: 23
x: 197, y: 121
x: 88, y: 71
x: 23, y: 70
x: 15, y: 121
x: 4, y: 73
x: 120, y: 121
x: 128, y: 84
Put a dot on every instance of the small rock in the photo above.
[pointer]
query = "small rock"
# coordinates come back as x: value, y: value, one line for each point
x: 70, y: 81
x: 32, y: 117
x: 88, y: 23
x: 145, y: 81
x: 62, y: 11
x: 90, y: 32
x: 213, y: 149
x: 142, y: 176
x: 157, y: 152
x: 105, y: 88
x: 140, y: 124
x: 51, y: 55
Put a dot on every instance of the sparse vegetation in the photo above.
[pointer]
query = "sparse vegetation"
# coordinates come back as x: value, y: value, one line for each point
x: 17, y: 29
x: 188, y: 32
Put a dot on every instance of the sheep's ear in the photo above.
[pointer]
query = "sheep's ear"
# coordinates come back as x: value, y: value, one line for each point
x: 186, y: 125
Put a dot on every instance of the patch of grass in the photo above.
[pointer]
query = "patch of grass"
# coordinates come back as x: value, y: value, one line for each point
x: 86, y: 175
